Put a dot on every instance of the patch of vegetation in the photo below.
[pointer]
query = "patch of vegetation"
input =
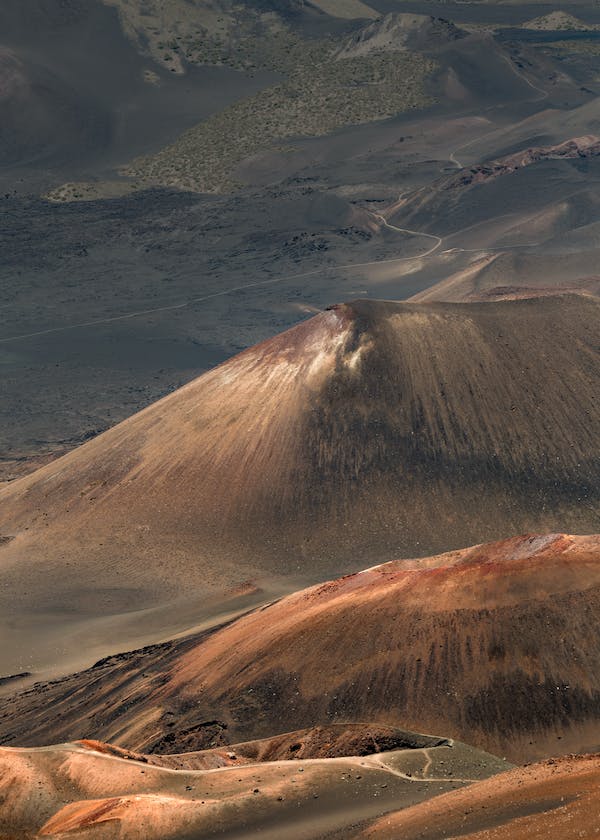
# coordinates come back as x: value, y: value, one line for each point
x: 91, y: 190
x: 238, y: 35
x: 558, y: 21
x: 281, y: 51
x: 321, y: 95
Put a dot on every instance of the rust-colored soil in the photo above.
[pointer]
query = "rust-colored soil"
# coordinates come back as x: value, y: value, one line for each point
x: 93, y: 790
x: 557, y: 799
x: 496, y: 645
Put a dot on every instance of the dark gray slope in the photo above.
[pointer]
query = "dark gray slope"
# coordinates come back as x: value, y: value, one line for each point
x: 74, y: 98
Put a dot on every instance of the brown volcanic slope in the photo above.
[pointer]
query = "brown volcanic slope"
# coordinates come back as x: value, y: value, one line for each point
x: 559, y: 798
x: 93, y: 790
x: 497, y: 645
x: 372, y: 431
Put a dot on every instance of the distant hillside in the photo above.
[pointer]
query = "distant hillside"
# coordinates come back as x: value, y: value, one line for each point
x: 559, y: 20
x: 401, y: 31
x: 469, y: 197
x: 177, y: 32
x: 506, y: 275
x: 377, y: 74
x: 43, y: 116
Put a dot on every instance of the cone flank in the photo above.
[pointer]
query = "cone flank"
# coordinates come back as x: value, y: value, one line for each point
x: 372, y: 430
x: 500, y: 628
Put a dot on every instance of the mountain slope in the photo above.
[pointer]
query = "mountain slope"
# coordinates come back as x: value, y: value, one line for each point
x: 496, y: 645
x: 402, y: 31
x: 371, y: 431
x: 43, y: 117
x: 559, y: 798
x: 517, y: 274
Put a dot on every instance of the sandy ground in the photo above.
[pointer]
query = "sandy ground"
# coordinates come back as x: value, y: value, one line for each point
x: 87, y: 790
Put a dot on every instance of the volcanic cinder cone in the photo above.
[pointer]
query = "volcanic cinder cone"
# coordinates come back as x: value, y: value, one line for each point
x: 496, y: 645
x: 371, y: 431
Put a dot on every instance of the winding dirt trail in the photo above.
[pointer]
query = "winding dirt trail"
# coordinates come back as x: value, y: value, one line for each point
x: 438, y: 239
x: 233, y: 289
x: 429, y: 762
x: 378, y: 762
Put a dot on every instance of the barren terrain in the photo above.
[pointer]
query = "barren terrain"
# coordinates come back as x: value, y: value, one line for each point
x: 558, y: 798
x: 109, y: 302
x: 495, y: 645
x: 233, y: 509
x: 371, y: 431
x: 89, y: 789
